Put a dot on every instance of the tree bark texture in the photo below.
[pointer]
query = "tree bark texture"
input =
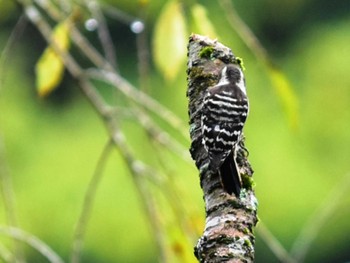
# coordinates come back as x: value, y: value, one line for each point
x: 228, y: 235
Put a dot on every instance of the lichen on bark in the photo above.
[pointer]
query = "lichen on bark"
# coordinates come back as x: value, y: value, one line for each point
x: 228, y: 235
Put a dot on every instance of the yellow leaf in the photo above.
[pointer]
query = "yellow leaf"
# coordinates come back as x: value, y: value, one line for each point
x: 170, y: 40
x: 50, y: 68
x: 201, y: 22
x: 286, y: 94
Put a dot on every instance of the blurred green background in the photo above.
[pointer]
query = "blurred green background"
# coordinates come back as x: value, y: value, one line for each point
x: 52, y: 145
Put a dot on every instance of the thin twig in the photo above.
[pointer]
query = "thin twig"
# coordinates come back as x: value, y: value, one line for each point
x: 151, y: 211
x: 170, y: 190
x: 143, y: 99
x: 275, y: 246
x: 117, y: 14
x: 137, y: 168
x: 142, y: 60
x: 315, y: 223
x: 243, y: 30
x: 139, y: 28
x: 159, y: 138
x: 5, y: 179
x: 6, y: 255
x: 157, y: 134
x: 11, y: 41
x: 84, y: 46
x: 278, y: 80
x: 36, y: 18
x: 65, y: 5
x: 8, y: 199
x: 107, y: 73
x: 94, y: 97
x: 103, y: 32
x: 51, y: 9
x: 152, y: 129
x: 81, y: 226
x: 112, y: 77
x: 32, y: 241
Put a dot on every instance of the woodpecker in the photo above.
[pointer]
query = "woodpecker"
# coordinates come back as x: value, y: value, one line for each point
x: 224, y: 111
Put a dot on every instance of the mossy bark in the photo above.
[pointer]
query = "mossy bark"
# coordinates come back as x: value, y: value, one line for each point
x: 228, y: 235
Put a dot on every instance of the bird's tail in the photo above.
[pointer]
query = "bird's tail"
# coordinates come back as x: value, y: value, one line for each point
x: 230, y: 177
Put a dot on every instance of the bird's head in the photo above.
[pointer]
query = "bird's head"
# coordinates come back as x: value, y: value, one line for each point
x: 231, y: 74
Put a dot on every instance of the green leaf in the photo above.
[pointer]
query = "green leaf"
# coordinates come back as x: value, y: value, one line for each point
x: 170, y: 40
x: 286, y: 94
x: 50, y: 68
x: 201, y: 23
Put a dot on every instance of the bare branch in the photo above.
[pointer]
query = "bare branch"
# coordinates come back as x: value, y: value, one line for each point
x: 6, y: 255
x: 9, y: 200
x: 16, y: 32
x: 279, y: 81
x: 158, y: 135
x: 117, y: 14
x: 271, y: 241
x: 32, y: 241
x: 243, y: 30
x: 143, y: 99
x: 137, y: 168
x: 5, y: 178
x: 81, y: 226
x: 103, y: 32
x: 315, y: 223
x: 107, y: 73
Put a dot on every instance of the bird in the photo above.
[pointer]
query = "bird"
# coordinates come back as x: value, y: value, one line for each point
x: 225, y: 109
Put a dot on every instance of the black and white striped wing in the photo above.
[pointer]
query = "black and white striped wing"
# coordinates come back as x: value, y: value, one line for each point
x: 223, y: 117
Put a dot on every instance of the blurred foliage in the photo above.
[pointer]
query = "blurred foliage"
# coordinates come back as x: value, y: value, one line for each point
x: 52, y: 146
x: 6, y: 10
x: 285, y: 92
x: 170, y: 40
x: 201, y: 23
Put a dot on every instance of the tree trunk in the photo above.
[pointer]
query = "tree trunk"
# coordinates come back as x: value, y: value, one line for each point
x: 228, y: 234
